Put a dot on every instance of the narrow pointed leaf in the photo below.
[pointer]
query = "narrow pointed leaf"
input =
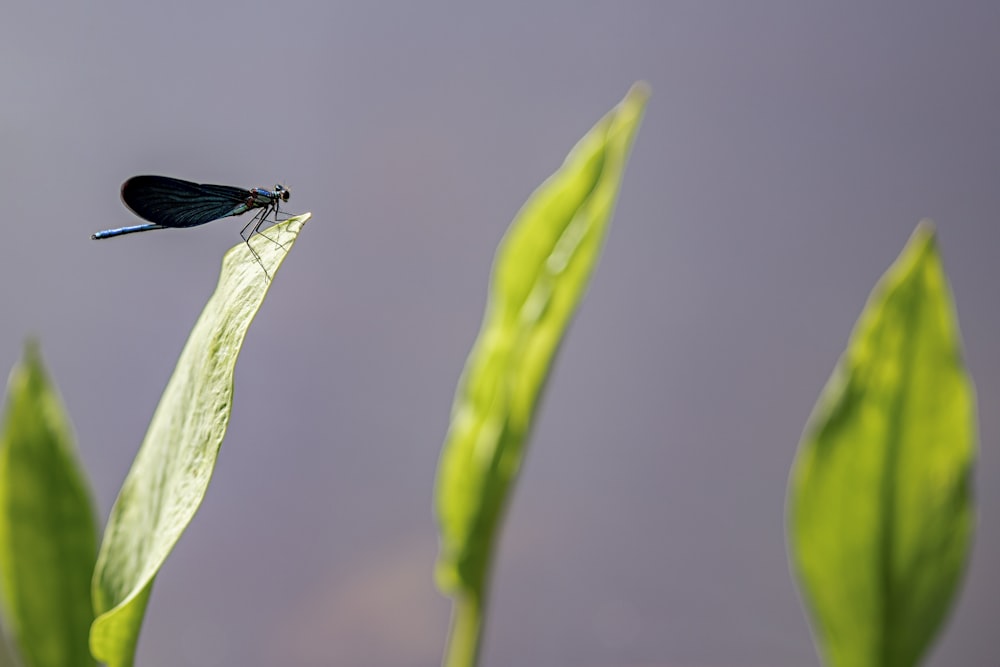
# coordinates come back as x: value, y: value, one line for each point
x: 880, y: 510
x: 48, y: 536
x: 172, y: 470
x: 540, y: 274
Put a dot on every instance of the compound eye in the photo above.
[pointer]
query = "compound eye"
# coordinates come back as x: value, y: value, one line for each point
x: 285, y: 194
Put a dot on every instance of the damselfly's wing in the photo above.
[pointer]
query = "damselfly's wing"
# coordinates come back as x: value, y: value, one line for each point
x: 172, y: 202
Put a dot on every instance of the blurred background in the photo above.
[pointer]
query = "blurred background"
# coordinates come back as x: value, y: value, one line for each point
x: 786, y: 155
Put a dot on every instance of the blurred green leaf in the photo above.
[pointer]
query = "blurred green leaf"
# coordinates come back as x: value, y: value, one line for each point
x: 880, y: 510
x: 48, y: 537
x: 540, y: 273
x: 171, y: 472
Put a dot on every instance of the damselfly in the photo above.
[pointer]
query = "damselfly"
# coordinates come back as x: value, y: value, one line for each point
x: 169, y: 203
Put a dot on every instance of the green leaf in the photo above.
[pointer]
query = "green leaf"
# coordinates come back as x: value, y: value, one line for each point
x: 48, y: 536
x: 540, y: 274
x: 880, y: 510
x: 171, y: 472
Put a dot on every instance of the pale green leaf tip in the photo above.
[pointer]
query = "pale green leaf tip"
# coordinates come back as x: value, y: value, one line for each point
x: 634, y: 103
x: 925, y: 232
x: 639, y: 92
x: 32, y: 348
x: 922, y: 241
x: 299, y: 220
x: 269, y: 248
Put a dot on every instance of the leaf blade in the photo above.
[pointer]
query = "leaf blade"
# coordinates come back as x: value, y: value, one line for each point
x: 881, y: 513
x: 48, y: 534
x: 171, y: 472
x: 540, y: 273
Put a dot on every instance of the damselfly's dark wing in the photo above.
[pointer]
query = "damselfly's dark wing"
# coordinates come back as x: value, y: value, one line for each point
x: 172, y: 202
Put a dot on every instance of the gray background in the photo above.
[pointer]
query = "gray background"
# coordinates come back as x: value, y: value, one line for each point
x: 787, y: 153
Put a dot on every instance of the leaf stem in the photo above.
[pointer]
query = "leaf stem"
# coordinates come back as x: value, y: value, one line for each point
x: 466, y: 631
